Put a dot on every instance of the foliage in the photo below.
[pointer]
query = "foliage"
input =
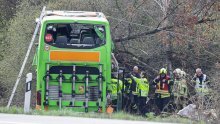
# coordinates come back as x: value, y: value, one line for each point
x: 14, y: 47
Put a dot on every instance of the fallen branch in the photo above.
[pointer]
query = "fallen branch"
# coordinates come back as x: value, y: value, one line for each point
x: 136, y: 58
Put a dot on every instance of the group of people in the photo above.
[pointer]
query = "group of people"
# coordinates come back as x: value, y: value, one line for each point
x: 166, y: 90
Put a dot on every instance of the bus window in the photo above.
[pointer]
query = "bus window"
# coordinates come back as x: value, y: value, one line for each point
x: 75, y: 35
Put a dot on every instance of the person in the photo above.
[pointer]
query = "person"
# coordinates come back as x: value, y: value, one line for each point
x: 184, y: 89
x: 132, y: 104
x: 143, y: 90
x: 163, y: 85
x: 136, y: 72
x: 202, y: 86
x: 177, y: 79
x: 180, y: 89
x: 201, y: 82
x: 126, y: 94
x: 113, y: 89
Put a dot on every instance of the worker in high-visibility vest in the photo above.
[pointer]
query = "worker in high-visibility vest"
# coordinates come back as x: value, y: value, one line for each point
x: 179, y: 89
x: 113, y: 88
x: 143, y: 90
x: 132, y: 90
x: 184, y: 91
x: 202, y: 84
x: 127, y: 95
x: 163, y: 89
x: 203, y: 89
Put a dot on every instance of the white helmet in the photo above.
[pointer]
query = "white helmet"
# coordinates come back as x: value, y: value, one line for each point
x: 183, y: 74
x: 177, y: 73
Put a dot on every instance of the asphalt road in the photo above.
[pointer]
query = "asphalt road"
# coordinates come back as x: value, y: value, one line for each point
x: 36, y: 119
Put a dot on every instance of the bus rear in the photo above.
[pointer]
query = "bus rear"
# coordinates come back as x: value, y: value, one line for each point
x: 73, y: 61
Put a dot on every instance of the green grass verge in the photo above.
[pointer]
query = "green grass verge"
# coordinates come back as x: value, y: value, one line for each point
x: 117, y: 115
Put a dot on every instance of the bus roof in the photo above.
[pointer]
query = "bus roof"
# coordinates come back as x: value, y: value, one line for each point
x: 74, y: 15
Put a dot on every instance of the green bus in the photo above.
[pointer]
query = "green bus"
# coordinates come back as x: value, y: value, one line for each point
x: 73, y: 61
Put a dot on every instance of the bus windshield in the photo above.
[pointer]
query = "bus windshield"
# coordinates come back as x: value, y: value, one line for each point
x: 75, y: 35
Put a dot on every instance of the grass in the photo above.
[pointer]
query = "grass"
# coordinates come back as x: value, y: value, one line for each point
x: 117, y: 115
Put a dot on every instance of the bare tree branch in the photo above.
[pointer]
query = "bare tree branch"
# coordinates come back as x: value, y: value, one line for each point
x: 156, y: 30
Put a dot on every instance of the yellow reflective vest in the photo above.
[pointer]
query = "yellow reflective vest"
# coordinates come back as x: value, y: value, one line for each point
x: 142, y: 86
x: 201, y: 87
x: 162, y: 86
x: 180, y: 88
x: 112, y: 87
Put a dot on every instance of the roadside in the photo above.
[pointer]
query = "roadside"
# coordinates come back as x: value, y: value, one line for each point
x: 114, y: 116
x: 36, y: 119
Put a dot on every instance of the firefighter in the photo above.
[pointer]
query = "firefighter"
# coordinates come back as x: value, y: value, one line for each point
x: 177, y: 73
x: 113, y: 88
x: 163, y: 89
x: 184, y: 90
x: 180, y: 89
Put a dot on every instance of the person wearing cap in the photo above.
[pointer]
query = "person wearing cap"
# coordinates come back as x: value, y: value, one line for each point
x: 163, y: 85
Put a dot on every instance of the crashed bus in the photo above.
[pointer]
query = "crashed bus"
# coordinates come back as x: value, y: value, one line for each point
x: 73, y: 61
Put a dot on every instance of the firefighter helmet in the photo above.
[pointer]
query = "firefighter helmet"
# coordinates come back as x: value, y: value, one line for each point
x: 163, y: 71
x: 177, y: 73
x: 183, y: 74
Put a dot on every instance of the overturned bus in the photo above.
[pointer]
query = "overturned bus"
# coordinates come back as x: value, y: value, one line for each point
x: 73, y: 61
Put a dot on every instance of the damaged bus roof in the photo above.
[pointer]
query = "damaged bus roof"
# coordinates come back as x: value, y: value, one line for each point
x: 74, y: 15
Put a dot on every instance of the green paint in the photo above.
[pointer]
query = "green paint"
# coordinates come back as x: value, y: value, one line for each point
x: 42, y: 59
